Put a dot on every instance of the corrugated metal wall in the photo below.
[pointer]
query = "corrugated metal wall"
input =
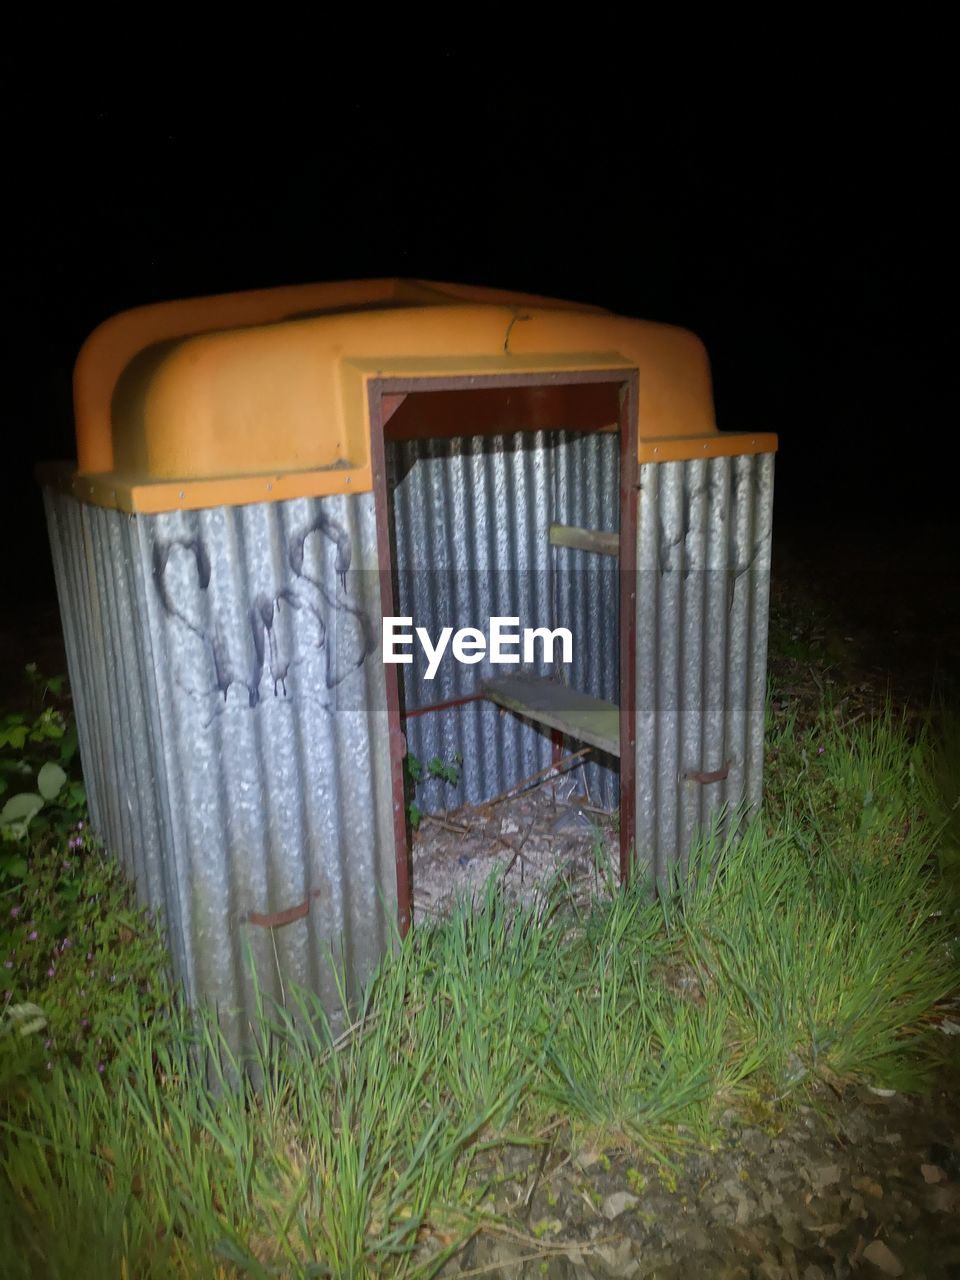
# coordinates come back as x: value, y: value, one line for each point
x: 703, y: 585
x: 471, y: 519
x: 232, y: 718
x: 231, y: 698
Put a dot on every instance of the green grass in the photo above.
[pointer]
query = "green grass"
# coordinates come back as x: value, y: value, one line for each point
x: 818, y: 949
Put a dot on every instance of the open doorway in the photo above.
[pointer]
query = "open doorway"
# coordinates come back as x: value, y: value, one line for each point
x: 511, y: 497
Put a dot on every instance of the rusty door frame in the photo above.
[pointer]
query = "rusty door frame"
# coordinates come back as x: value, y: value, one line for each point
x: 385, y: 396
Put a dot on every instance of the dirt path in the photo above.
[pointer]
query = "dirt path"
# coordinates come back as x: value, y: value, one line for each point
x: 864, y: 1186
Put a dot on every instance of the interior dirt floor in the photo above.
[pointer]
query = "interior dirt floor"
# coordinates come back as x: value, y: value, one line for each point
x: 528, y: 841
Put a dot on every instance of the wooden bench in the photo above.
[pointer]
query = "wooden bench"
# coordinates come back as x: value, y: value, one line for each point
x: 577, y: 715
x: 577, y: 539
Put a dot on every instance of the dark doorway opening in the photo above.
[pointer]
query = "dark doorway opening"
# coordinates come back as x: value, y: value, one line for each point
x: 512, y: 496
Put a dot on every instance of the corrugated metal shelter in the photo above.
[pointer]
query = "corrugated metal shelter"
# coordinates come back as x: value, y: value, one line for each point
x: 262, y: 477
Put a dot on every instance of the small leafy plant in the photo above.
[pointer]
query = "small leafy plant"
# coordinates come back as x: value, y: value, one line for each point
x: 74, y: 944
x: 417, y: 772
x: 74, y: 949
x: 40, y: 788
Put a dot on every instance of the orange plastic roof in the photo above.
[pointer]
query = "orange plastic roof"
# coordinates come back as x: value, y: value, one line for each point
x: 263, y: 395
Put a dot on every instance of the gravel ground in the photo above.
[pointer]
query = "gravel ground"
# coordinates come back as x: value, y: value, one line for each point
x: 864, y: 1185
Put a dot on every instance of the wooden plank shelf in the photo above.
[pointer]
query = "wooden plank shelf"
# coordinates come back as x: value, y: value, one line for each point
x: 575, y: 714
x: 570, y: 535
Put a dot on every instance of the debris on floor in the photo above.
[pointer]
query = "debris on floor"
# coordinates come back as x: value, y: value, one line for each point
x: 541, y: 830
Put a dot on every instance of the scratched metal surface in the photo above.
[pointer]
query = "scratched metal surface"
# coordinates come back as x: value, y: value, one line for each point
x: 471, y: 520
x: 232, y: 718
x: 703, y: 590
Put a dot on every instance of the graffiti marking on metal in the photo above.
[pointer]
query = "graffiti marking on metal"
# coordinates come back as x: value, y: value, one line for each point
x: 261, y: 647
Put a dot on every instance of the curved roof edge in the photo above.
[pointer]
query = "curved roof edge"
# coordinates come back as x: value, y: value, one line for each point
x: 262, y: 395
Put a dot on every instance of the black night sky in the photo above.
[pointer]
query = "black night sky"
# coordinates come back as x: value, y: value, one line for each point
x: 803, y: 230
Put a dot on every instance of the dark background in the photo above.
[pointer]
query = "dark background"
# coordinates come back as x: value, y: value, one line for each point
x: 804, y: 229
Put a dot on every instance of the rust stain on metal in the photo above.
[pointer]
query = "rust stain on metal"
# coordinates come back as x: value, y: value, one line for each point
x: 629, y: 499
x: 717, y: 775
x: 277, y: 919
x: 413, y: 712
x: 398, y: 742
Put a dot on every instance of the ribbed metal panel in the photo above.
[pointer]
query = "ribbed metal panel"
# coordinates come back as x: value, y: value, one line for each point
x: 587, y: 494
x: 231, y: 698
x: 232, y: 717
x: 471, y: 522
x: 703, y: 564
